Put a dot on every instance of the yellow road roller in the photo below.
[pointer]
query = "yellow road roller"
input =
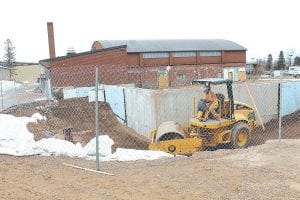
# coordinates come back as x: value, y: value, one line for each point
x: 233, y: 126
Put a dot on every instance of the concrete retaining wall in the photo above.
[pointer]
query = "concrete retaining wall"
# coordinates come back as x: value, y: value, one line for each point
x: 265, y: 96
x: 147, y: 109
x: 140, y: 110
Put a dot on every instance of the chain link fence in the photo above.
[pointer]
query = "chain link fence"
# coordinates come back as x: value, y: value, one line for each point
x: 133, y: 101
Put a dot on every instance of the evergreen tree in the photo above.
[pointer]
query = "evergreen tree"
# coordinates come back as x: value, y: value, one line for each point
x: 297, y: 60
x: 9, y: 56
x: 269, y: 65
x: 275, y: 64
x: 281, y: 61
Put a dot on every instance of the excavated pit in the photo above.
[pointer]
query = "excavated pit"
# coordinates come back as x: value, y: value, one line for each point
x: 79, y: 115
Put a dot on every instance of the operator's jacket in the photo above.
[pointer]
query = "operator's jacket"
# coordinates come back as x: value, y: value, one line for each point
x: 213, y: 101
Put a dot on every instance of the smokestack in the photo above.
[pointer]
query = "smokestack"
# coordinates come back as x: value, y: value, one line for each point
x: 51, y: 39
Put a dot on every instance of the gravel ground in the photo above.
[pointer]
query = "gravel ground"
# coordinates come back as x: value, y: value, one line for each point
x: 268, y: 171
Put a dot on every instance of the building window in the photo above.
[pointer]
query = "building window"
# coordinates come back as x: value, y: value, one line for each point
x: 155, y: 55
x: 184, y: 54
x: 210, y: 53
x: 181, y: 77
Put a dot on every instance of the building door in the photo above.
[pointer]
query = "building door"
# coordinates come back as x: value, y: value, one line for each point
x: 230, y: 75
x: 163, y: 82
x: 242, y: 75
x: 236, y: 74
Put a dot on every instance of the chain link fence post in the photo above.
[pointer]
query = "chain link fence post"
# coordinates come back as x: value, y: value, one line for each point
x: 97, y: 118
x: 1, y: 96
x: 16, y: 92
x: 280, y: 112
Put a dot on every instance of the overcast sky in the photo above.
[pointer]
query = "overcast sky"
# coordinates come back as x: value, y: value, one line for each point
x: 262, y: 26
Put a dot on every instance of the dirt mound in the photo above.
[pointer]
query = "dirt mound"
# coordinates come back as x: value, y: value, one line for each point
x: 79, y: 115
x: 290, y: 129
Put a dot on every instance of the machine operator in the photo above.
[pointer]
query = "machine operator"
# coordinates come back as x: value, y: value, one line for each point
x: 213, y: 104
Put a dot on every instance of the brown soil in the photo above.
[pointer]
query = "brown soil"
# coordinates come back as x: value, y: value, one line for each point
x: 79, y: 115
x: 290, y: 129
x: 268, y: 171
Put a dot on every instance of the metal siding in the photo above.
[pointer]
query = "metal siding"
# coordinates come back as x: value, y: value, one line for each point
x: 290, y: 98
x: 92, y: 95
x: 83, y: 91
x: 113, y: 94
x: 77, y: 92
x: 115, y: 97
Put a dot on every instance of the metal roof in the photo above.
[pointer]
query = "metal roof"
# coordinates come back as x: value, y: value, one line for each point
x: 45, y: 62
x: 174, y: 45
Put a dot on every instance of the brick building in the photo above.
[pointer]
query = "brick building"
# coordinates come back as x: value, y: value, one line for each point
x: 141, y: 61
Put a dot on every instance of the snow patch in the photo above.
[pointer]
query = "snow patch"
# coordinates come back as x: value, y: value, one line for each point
x: 60, y: 147
x: 133, y: 154
x: 16, y: 140
x: 105, y: 143
x: 38, y: 116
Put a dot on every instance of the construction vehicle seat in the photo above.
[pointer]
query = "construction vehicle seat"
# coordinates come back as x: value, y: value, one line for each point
x: 226, y: 109
x: 221, y: 99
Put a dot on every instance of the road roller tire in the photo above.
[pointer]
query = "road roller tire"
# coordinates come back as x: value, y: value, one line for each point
x: 240, y: 137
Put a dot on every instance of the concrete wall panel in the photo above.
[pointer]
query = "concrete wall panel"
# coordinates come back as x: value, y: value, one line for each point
x: 140, y: 110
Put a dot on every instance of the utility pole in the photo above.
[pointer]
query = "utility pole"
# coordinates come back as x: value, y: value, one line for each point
x: 290, y: 55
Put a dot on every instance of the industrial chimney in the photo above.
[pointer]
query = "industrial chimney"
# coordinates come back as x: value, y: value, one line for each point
x: 51, y: 39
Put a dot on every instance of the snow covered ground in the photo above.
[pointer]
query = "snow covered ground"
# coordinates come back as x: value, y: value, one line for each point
x: 16, y: 140
x: 8, y: 85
